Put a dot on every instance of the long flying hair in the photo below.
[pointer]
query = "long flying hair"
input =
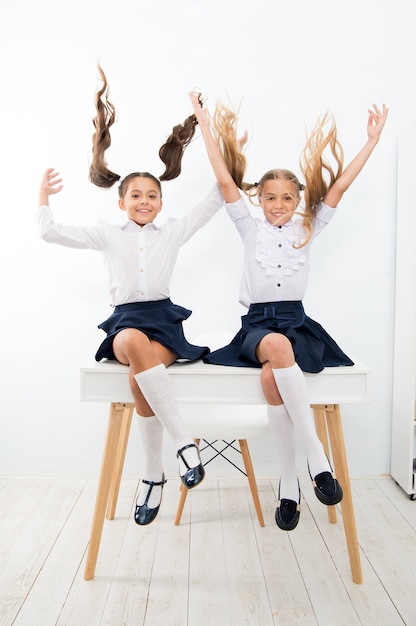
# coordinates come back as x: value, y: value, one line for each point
x: 318, y: 173
x: 170, y: 153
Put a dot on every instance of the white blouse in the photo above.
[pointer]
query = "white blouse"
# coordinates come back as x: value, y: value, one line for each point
x: 274, y: 270
x: 139, y: 259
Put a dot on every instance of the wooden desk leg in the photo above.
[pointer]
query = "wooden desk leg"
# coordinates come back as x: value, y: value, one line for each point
x: 336, y: 436
x: 251, y: 479
x: 106, y: 473
x: 182, y: 498
x: 320, y: 421
x: 120, y: 457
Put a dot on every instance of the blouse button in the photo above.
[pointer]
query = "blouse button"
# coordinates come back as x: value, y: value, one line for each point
x: 278, y: 285
x: 280, y: 245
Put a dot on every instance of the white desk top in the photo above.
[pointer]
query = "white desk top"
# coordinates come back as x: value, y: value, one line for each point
x: 200, y: 383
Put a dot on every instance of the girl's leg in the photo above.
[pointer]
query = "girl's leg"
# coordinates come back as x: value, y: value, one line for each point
x: 150, y: 428
x: 151, y: 437
x: 133, y: 348
x: 153, y: 395
x: 288, y: 509
x: 291, y: 384
x: 284, y: 434
x: 156, y: 387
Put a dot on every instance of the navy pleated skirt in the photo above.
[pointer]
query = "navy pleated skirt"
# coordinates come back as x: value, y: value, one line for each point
x: 314, y: 349
x: 160, y: 320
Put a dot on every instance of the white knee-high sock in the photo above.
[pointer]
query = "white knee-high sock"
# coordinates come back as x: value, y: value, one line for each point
x: 151, y: 437
x: 155, y: 386
x: 284, y: 433
x: 292, y: 387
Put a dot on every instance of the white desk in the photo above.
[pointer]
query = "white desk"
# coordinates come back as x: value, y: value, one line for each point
x: 199, y: 383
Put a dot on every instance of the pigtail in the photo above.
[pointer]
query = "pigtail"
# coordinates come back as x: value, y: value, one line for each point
x: 225, y: 132
x: 313, y: 164
x: 314, y: 167
x: 99, y: 173
x: 171, y: 152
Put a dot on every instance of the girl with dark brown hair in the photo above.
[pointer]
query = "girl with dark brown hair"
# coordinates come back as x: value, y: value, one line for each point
x: 145, y: 329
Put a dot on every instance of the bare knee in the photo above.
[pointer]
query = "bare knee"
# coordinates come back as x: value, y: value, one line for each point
x: 277, y: 349
x: 132, y: 347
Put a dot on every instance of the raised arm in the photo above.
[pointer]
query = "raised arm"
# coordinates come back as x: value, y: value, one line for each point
x: 49, y: 185
x: 228, y: 187
x: 376, y: 121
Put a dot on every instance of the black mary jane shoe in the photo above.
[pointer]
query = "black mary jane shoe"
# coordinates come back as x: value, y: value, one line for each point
x: 327, y: 488
x: 287, y: 513
x: 193, y: 475
x: 143, y: 514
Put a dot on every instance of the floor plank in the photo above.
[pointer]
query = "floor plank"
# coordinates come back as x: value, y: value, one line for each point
x: 384, y: 536
x: 209, y: 601
x: 248, y: 598
x: 33, y: 513
x: 320, y: 576
x: 288, y: 596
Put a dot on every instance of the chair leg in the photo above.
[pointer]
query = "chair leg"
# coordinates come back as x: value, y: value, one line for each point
x: 181, y: 504
x: 245, y: 453
x: 107, y: 467
x: 182, y: 498
x: 251, y: 479
x: 119, y: 460
x: 336, y: 436
x: 321, y: 429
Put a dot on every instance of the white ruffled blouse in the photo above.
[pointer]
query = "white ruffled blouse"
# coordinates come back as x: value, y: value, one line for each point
x: 275, y: 269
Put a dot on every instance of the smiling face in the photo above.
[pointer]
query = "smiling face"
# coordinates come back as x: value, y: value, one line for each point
x: 142, y: 200
x: 279, y: 199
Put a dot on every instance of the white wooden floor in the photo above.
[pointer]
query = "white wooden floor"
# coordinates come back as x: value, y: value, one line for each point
x: 217, y: 568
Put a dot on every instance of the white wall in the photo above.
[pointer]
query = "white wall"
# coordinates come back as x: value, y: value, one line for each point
x: 286, y: 62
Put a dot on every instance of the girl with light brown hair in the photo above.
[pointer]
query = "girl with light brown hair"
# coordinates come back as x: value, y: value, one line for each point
x: 276, y: 335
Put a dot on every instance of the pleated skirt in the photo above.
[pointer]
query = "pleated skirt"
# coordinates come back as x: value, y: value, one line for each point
x: 160, y: 320
x: 313, y: 347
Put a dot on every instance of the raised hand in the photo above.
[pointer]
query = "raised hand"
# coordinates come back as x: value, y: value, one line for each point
x: 50, y: 181
x: 49, y: 185
x: 376, y: 121
x: 200, y: 112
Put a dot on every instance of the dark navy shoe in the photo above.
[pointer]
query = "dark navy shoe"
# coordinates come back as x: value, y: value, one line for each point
x: 327, y: 488
x: 193, y: 475
x: 287, y: 513
x: 143, y: 515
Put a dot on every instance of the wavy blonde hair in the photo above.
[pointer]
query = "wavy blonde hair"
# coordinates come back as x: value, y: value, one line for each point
x: 318, y: 173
